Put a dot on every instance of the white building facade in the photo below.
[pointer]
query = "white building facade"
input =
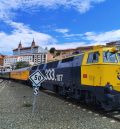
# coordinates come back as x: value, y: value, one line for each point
x: 33, y: 55
x: 10, y: 61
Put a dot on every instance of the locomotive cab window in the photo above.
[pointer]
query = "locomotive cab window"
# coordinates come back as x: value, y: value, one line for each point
x: 109, y: 57
x: 93, y: 57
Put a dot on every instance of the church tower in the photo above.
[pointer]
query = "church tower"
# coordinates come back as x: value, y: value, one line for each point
x: 33, y: 43
x: 20, y: 45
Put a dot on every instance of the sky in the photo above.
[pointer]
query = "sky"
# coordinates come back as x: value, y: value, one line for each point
x: 61, y: 24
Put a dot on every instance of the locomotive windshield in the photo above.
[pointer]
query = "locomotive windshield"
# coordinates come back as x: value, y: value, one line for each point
x: 109, y: 57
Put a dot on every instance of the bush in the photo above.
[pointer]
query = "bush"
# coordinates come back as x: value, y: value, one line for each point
x: 22, y: 64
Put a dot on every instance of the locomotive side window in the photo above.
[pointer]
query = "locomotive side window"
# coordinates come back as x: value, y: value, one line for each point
x: 34, y: 67
x: 93, y: 57
x: 67, y: 60
x: 109, y: 57
x: 52, y: 64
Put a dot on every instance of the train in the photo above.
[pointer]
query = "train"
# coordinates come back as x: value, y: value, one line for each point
x: 92, y: 77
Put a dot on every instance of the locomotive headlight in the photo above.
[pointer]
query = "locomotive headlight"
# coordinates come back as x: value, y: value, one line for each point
x: 108, y: 87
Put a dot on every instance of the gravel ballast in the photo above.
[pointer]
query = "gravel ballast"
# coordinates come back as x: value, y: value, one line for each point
x: 16, y: 111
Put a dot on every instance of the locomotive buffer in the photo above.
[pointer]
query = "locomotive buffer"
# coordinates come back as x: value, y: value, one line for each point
x: 36, y: 78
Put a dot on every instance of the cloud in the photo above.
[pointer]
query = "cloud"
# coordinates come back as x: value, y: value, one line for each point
x: 73, y: 36
x: 67, y: 35
x: 25, y: 34
x: 8, y: 10
x: 9, y: 7
x: 90, y: 39
x: 63, y: 31
x: 80, y: 5
x: 103, y: 37
x: 67, y: 45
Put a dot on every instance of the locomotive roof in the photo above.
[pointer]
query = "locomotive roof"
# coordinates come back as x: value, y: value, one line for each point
x: 66, y: 57
x: 103, y: 48
x: 98, y: 48
x: 21, y: 69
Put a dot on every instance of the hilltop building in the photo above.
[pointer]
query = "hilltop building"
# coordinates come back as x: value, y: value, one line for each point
x: 33, y: 55
x: 33, y: 49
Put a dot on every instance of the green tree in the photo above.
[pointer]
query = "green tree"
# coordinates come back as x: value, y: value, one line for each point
x: 52, y: 50
x: 22, y: 64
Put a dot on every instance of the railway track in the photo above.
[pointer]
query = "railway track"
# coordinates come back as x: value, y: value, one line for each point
x: 113, y: 115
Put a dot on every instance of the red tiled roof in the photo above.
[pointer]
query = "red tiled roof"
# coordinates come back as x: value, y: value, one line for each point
x: 1, y: 56
x: 65, y: 49
x: 78, y: 48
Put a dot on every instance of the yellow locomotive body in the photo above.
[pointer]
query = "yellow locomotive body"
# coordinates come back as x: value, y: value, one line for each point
x: 101, y: 72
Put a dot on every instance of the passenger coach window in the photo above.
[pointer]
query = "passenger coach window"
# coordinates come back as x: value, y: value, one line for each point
x: 93, y: 57
x: 109, y: 57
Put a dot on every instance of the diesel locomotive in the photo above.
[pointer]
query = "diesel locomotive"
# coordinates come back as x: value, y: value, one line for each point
x: 92, y: 77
